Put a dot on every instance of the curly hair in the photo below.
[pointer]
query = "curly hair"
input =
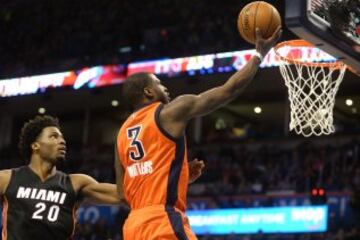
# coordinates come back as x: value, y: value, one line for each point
x: 31, y: 130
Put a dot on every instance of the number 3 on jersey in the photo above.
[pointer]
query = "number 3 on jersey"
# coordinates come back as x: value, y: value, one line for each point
x: 133, y: 134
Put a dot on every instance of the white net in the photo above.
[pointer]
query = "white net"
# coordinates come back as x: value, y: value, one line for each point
x: 312, y: 88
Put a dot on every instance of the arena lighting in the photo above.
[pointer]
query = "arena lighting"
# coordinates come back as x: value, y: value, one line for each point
x: 98, y: 76
x: 318, y: 196
x: 318, y: 192
x: 250, y: 220
x: 349, y: 102
x: 92, y: 77
x: 257, y: 110
x: 218, y: 62
x: 314, y: 192
x: 41, y: 110
x: 114, y: 103
x: 126, y: 49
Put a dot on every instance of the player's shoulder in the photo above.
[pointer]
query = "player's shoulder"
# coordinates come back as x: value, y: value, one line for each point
x: 61, y: 173
x: 5, y: 176
x: 77, y: 177
x: 5, y: 173
x: 128, y: 121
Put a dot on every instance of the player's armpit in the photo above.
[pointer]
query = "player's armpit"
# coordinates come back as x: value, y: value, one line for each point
x: 5, y: 176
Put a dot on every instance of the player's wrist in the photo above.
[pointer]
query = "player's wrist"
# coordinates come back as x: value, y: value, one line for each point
x: 259, y: 56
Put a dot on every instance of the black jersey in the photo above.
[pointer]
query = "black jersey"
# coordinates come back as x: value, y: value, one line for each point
x: 34, y: 210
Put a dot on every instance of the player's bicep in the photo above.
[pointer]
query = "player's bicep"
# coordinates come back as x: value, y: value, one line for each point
x: 186, y: 107
x: 179, y: 108
x: 100, y: 193
x: 88, y: 185
x: 209, y: 101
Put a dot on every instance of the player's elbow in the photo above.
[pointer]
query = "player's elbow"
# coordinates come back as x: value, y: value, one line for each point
x: 229, y: 92
x: 116, y: 200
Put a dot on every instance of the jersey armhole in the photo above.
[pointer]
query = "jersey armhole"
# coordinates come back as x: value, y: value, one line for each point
x: 10, y: 181
x: 116, y: 151
x: 160, y: 127
x: 78, y: 197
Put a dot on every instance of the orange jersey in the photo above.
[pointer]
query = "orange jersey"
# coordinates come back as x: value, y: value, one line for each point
x: 155, y: 164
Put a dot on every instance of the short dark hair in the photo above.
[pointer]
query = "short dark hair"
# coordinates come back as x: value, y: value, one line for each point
x: 134, y: 87
x: 31, y: 130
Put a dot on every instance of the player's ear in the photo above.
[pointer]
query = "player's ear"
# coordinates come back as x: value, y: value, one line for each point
x: 149, y: 92
x: 35, y: 146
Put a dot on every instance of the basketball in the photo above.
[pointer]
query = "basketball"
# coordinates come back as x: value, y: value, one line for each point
x: 260, y: 15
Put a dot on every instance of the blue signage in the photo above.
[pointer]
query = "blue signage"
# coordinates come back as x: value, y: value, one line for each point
x: 255, y: 220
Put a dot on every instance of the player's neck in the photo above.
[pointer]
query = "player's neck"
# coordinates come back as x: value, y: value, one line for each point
x: 144, y: 104
x: 42, y: 168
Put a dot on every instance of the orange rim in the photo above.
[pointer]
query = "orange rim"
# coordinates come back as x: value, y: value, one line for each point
x: 302, y: 43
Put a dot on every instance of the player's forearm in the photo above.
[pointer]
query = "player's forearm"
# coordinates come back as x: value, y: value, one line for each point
x: 112, y: 193
x: 186, y: 107
x: 106, y: 193
x: 219, y: 96
x: 238, y: 82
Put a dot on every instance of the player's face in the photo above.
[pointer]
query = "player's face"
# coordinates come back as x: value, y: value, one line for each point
x: 162, y: 93
x: 51, y: 145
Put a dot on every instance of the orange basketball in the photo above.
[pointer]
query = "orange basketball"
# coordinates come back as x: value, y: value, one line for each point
x: 258, y: 14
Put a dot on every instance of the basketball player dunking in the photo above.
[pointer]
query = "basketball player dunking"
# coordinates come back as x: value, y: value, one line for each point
x: 152, y: 167
x: 39, y: 202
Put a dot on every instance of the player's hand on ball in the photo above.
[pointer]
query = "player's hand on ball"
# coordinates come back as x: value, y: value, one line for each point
x: 263, y: 45
x: 195, y: 169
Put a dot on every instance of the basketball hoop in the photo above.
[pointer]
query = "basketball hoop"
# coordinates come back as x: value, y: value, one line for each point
x: 312, y: 86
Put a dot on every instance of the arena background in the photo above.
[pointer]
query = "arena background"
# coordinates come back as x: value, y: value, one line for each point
x: 252, y: 160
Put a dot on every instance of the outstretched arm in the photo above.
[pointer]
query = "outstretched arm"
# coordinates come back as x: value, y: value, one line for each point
x: 101, y: 193
x: 180, y: 110
x: 95, y: 192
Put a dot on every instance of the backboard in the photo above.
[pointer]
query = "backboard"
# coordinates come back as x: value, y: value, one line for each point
x: 331, y: 25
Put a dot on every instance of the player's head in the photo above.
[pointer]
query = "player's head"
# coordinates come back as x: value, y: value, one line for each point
x: 42, y: 136
x: 142, y: 88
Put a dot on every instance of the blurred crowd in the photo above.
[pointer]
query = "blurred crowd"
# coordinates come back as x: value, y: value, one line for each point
x: 53, y: 36
x: 68, y: 33
x: 241, y: 169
